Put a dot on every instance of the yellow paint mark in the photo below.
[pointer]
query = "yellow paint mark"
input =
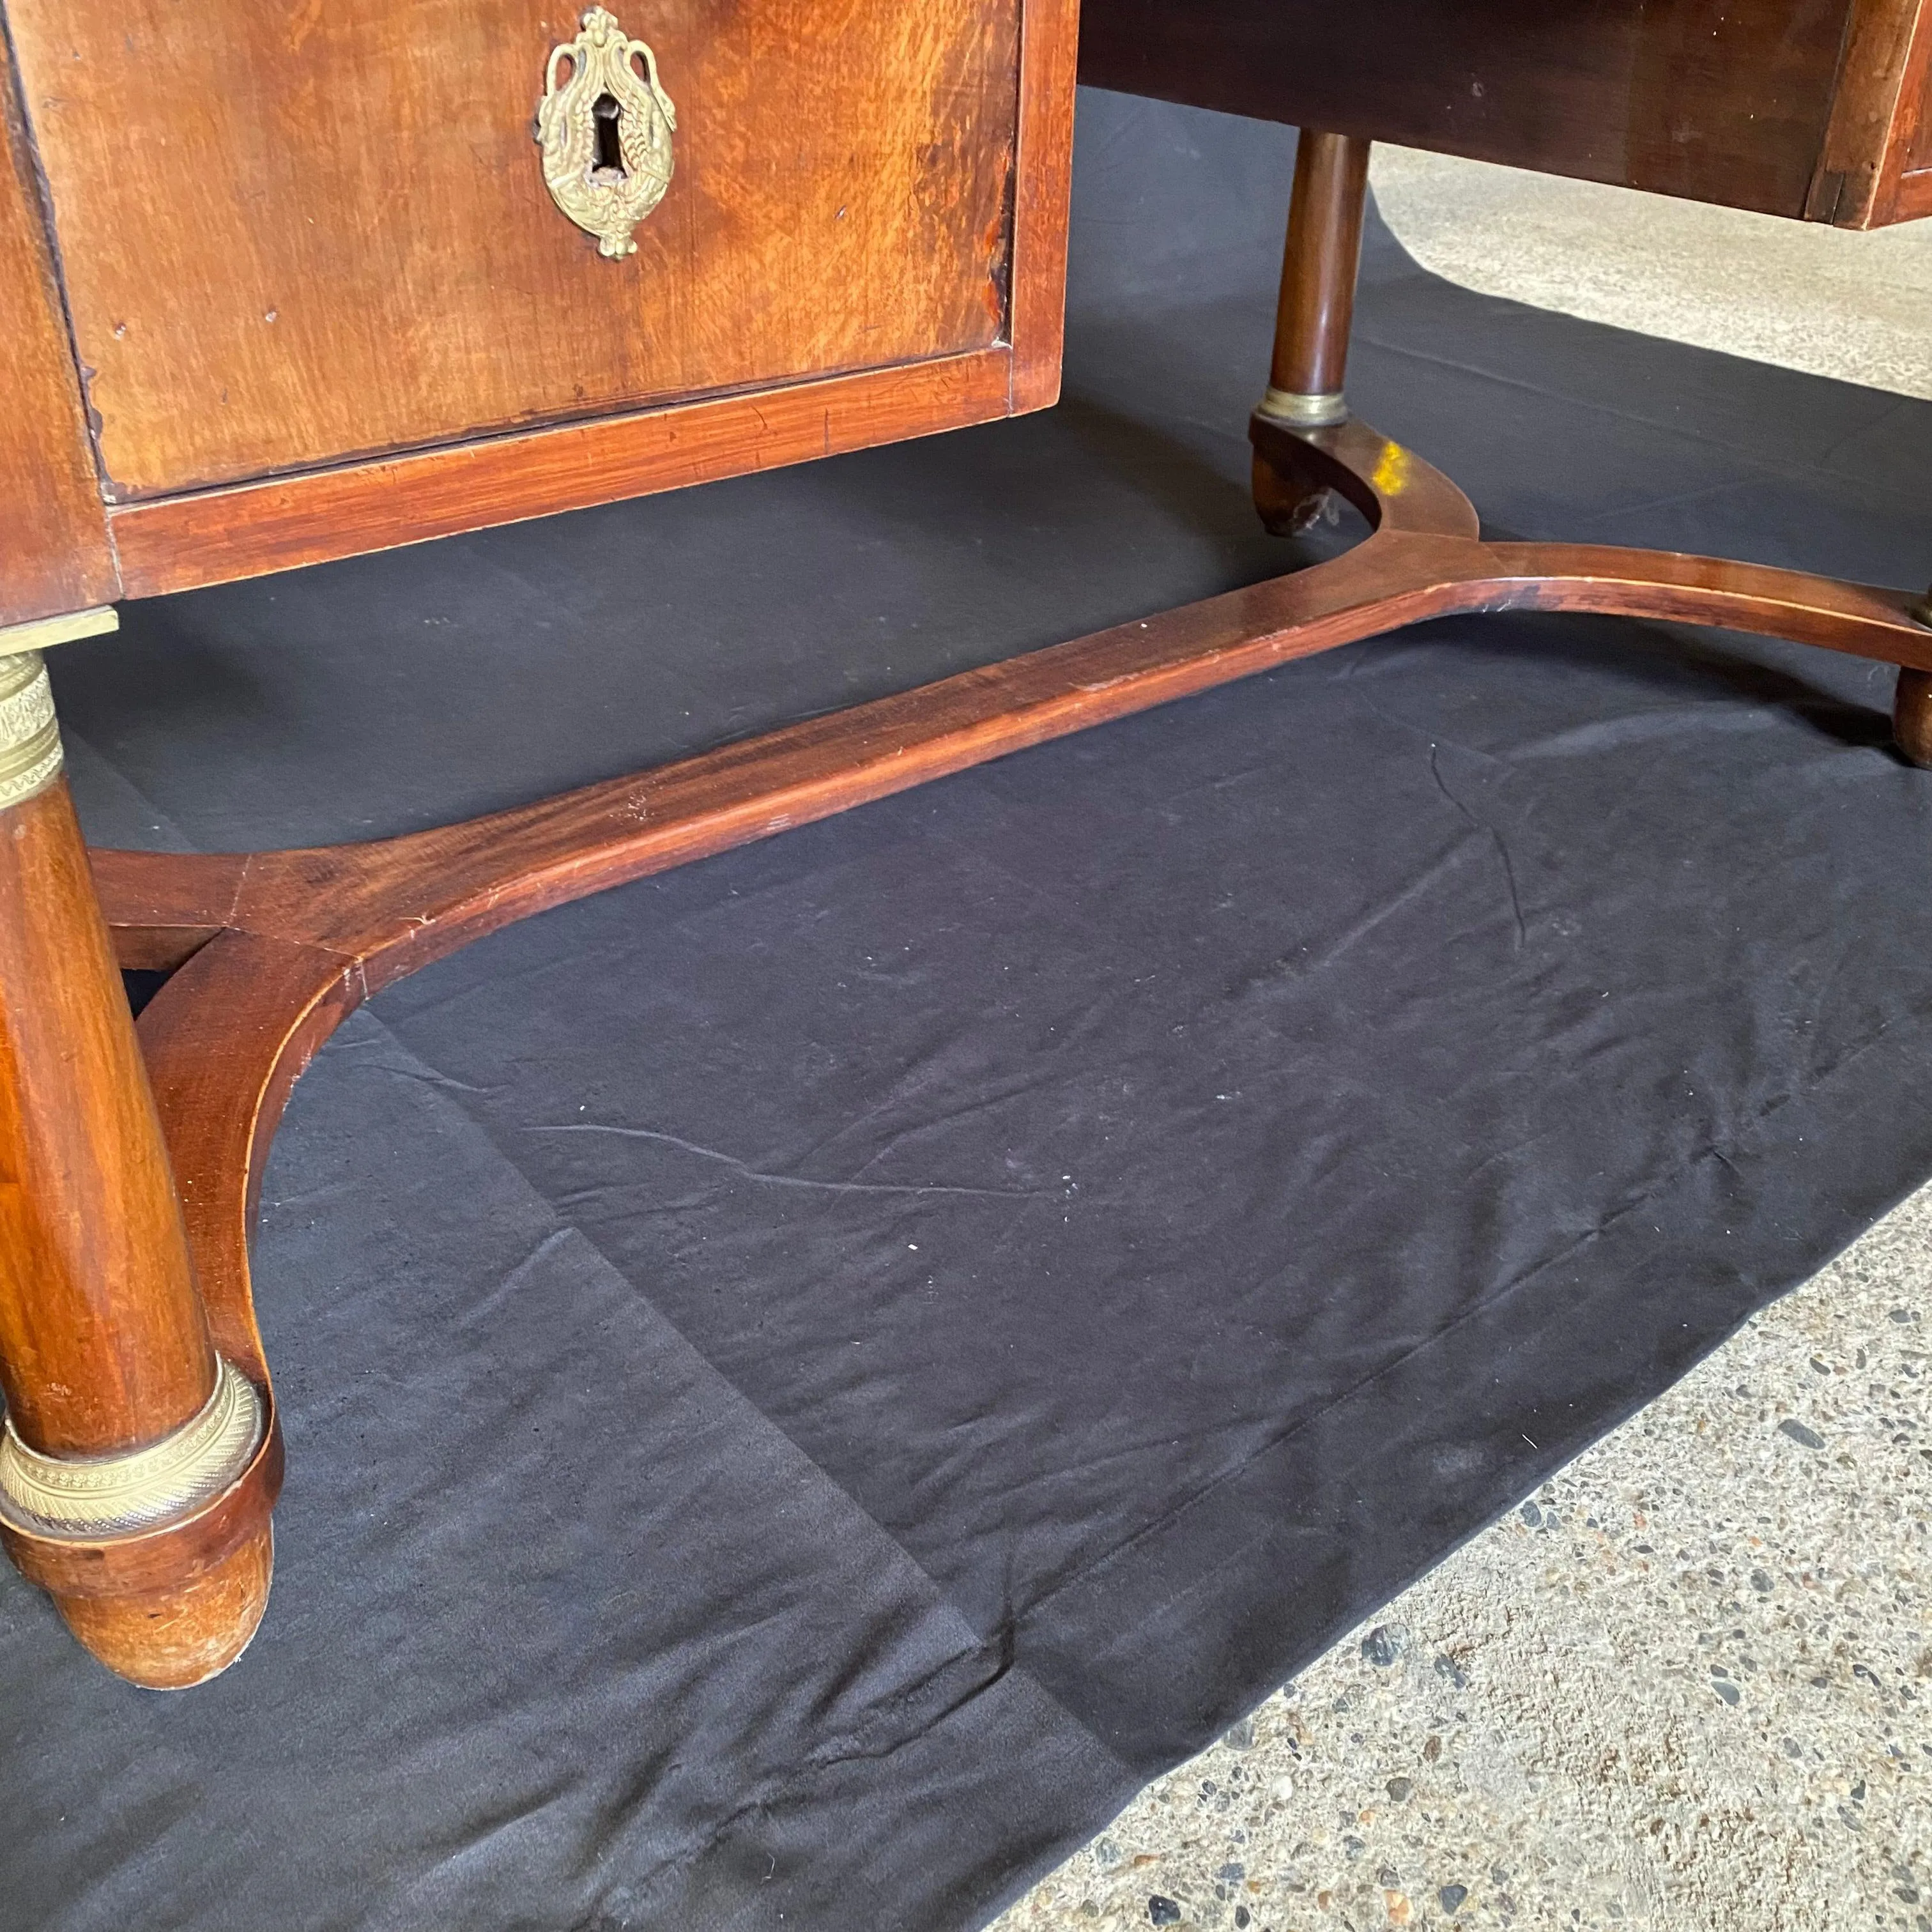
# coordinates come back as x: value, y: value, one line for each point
x: 1391, y: 476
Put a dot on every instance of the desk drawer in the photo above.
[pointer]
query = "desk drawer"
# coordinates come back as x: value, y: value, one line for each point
x: 296, y: 235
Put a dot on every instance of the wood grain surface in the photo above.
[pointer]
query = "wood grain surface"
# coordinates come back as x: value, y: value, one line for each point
x: 1878, y: 117
x: 183, y: 1633
x: 54, y: 553
x: 1043, y: 190
x: 214, y: 536
x: 103, y: 1343
x: 1720, y: 100
x: 1319, y: 264
x: 306, y: 933
x: 1917, y: 118
x: 297, y: 234
x: 1911, y: 138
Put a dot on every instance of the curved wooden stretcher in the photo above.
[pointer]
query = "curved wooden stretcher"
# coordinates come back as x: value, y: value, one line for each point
x: 269, y: 951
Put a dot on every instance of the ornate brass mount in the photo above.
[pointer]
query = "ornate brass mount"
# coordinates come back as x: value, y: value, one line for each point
x: 605, y: 133
x: 30, y: 742
x: 112, y: 1495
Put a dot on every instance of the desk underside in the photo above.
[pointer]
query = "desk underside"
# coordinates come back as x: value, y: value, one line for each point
x: 1804, y: 108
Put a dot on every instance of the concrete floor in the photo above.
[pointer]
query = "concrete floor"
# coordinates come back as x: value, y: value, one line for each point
x: 1827, y: 300
x: 1688, y: 1685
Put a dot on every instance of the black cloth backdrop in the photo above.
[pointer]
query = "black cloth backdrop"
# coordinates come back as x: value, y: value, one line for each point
x: 809, y: 1379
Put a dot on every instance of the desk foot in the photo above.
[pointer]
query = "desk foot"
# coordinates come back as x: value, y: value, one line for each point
x: 174, y: 1639
x: 1287, y: 505
x: 1912, y: 715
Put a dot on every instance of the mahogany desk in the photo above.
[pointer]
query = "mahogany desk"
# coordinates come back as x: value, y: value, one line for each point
x: 355, y: 297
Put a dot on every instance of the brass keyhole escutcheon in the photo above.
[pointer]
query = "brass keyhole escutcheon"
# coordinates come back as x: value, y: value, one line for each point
x: 605, y: 132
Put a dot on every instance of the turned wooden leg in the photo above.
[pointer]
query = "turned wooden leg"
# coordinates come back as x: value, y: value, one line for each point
x: 126, y: 1436
x: 1318, y: 303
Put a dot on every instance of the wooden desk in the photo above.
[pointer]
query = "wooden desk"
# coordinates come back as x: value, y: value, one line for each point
x: 281, y: 283
x: 345, y: 302
x: 1816, y: 109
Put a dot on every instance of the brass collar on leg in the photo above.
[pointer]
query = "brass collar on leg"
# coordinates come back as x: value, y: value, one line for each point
x: 30, y: 745
x: 1299, y: 412
x: 95, y: 1496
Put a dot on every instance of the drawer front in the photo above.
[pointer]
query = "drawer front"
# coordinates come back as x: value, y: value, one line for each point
x: 295, y: 235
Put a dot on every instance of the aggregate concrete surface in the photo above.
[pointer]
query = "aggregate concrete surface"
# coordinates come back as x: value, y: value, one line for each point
x: 1687, y: 1684
x: 1831, y: 301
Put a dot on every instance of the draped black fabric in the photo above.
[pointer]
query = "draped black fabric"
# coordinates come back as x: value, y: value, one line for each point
x: 809, y: 1379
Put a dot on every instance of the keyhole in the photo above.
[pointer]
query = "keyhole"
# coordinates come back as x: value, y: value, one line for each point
x: 605, y: 112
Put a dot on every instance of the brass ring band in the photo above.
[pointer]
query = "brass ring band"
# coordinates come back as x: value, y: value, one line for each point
x: 1296, y: 412
x: 89, y: 1496
x: 30, y: 745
